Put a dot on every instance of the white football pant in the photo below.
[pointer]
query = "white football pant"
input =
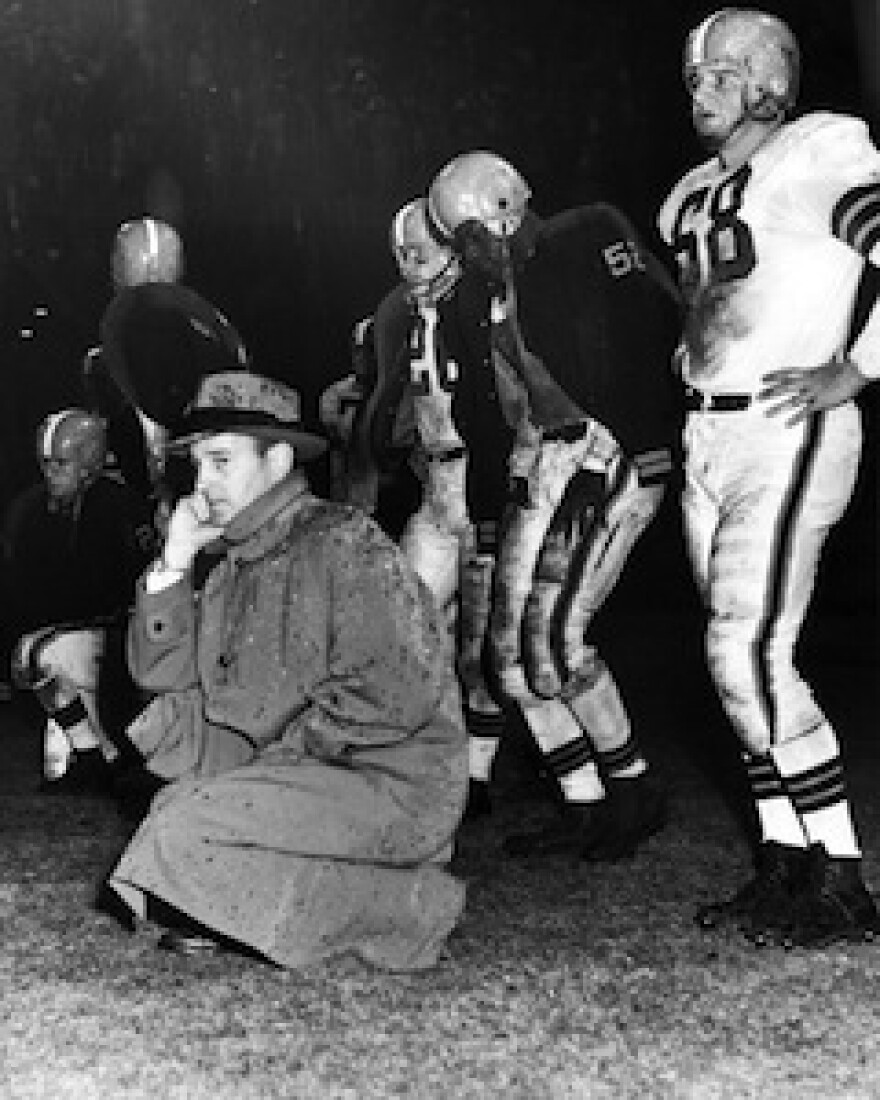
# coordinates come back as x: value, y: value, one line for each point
x: 759, y: 502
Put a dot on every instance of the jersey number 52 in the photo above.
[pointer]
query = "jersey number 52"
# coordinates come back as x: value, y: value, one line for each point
x: 725, y: 250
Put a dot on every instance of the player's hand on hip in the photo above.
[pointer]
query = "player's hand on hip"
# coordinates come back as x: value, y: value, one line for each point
x: 796, y: 392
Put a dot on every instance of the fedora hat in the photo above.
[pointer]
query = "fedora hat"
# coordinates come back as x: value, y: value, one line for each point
x: 245, y: 403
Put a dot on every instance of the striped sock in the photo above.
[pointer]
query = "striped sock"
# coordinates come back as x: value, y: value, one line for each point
x: 624, y: 762
x: 74, y: 719
x: 566, y: 754
x: 820, y: 798
x: 67, y: 708
x: 576, y: 771
x: 777, y: 818
x: 812, y: 774
x: 485, y: 729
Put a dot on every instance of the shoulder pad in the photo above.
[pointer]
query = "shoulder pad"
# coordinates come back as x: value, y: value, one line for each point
x: 829, y: 142
x: 591, y: 215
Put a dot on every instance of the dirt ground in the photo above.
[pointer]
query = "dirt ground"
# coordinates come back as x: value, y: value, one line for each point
x: 563, y: 980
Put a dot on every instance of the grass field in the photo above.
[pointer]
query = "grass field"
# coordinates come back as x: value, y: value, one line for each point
x: 563, y: 980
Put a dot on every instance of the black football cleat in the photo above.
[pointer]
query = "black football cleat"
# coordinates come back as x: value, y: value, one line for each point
x: 833, y: 906
x: 88, y: 774
x: 637, y: 810
x: 580, y: 826
x: 763, y: 905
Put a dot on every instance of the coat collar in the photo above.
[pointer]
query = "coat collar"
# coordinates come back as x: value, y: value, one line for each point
x: 262, y: 525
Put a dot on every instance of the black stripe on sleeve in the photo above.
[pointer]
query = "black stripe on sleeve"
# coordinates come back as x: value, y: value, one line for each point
x: 855, y: 219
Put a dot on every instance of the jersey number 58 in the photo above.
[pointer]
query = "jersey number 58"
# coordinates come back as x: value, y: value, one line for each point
x: 728, y: 250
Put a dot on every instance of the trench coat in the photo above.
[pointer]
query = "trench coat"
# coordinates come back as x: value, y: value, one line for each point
x: 308, y: 719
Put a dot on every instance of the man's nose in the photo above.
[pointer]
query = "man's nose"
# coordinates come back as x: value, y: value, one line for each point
x: 709, y: 97
x: 698, y: 97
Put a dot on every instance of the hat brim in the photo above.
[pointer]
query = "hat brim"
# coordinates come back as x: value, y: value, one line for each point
x: 198, y: 423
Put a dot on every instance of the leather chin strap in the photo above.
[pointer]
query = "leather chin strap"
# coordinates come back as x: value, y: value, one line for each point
x: 765, y: 109
x: 736, y: 147
x: 442, y: 284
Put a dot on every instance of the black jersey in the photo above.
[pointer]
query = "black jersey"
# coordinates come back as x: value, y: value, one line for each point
x: 601, y: 313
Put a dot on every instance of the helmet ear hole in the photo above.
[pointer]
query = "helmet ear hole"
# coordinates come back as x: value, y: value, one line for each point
x: 480, y: 186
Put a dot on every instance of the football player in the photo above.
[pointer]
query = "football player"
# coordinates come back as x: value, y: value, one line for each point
x: 352, y: 476
x: 411, y: 417
x: 73, y: 546
x: 564, y: 402
x: 158, y: 338
x: 772, y: 235
x: 432, y: 535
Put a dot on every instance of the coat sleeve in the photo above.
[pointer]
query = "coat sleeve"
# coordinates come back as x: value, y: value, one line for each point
x: 175, y: 739
x: 172, y: 733
x: 389, y: 657
x: 162, y: 637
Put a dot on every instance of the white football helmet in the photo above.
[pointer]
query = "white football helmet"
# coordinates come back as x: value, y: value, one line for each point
x: 146, y: 251
x: 430, y: 269
x: 71, y: 448
x: 759, y: 47
x: 477, y: 186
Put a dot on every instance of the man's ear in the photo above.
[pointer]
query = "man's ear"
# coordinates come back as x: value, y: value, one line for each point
x: 282, y: 459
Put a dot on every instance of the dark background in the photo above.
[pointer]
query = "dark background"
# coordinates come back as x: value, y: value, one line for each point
x: 281, y: 135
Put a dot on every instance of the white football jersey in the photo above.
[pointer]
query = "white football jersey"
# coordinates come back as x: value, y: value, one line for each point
x: 767, y: 281
x: 433, y: 376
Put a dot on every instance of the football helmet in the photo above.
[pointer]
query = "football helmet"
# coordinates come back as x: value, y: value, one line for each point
x: 429, y: 269
x: 71, y: 449
x: 146, y: 251
x: 477, y: 186
x: 759, y: 47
